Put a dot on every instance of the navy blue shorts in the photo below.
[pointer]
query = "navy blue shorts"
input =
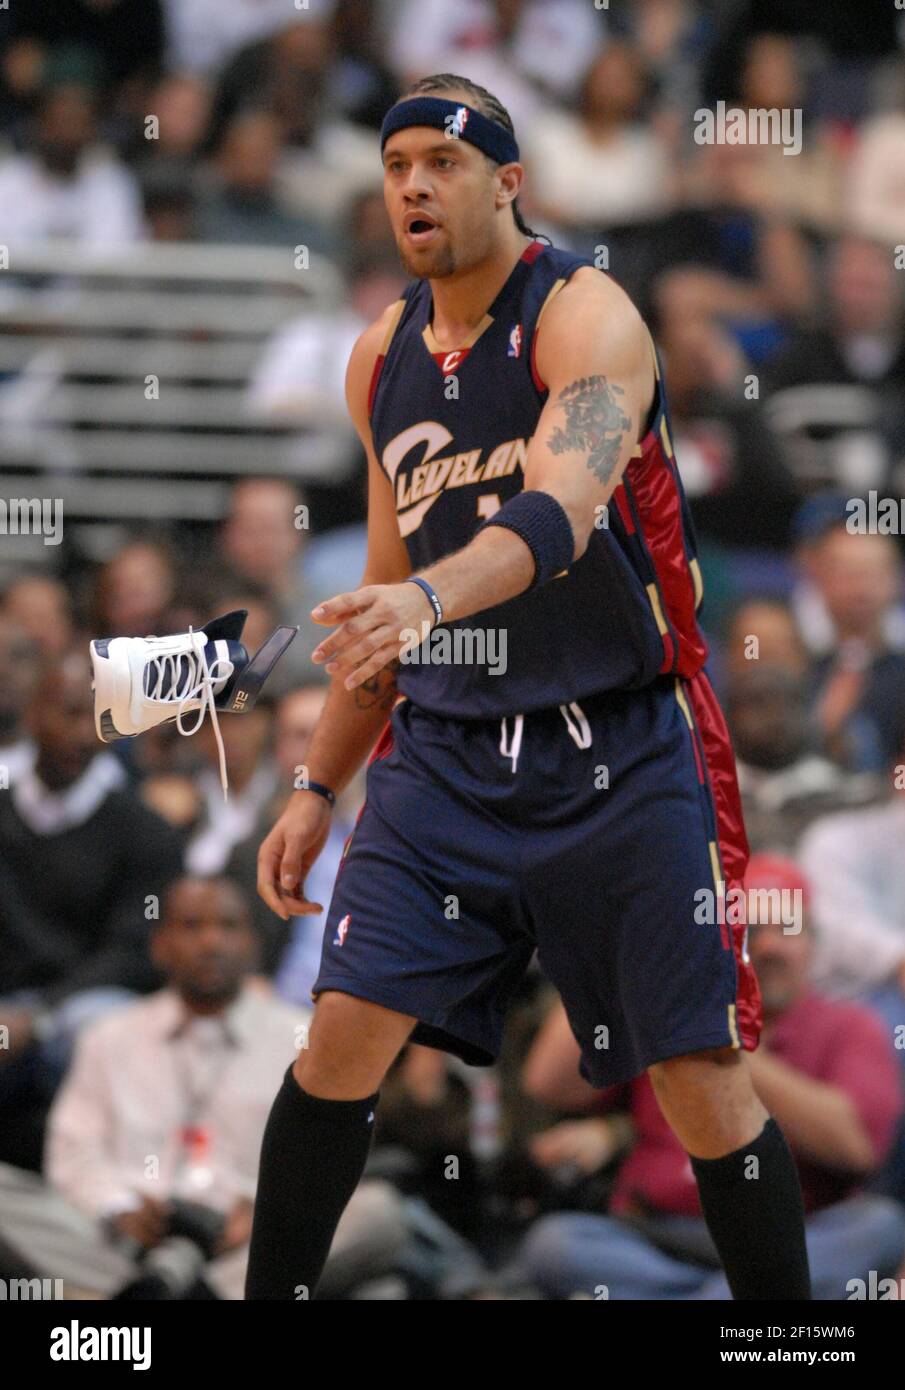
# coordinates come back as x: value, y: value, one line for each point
x: 585, y: 833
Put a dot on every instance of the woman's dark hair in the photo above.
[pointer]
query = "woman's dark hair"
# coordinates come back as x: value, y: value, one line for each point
x: 483, y: 101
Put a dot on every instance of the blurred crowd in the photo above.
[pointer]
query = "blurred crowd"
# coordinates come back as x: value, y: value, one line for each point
x: 149, y: 1003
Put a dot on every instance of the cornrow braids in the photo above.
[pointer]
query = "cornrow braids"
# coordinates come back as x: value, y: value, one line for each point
x: 488, y: 105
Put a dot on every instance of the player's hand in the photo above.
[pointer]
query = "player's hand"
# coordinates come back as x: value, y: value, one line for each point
x: 287, y: 854
x: 376, y: 625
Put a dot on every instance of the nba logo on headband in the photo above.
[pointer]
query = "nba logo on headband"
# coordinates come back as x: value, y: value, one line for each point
x: 455, y: 125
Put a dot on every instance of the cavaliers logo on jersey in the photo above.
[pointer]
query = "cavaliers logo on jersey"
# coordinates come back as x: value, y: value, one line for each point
x: 419, y: 477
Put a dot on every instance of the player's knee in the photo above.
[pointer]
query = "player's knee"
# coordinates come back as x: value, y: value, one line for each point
x: 351, y: 1044
x: 695, y: 1069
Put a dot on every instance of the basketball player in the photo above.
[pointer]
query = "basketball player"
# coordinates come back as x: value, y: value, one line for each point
x: 576, y: 802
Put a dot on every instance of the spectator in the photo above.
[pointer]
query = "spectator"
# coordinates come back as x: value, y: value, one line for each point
x: 300, y: 379
x: 806, y: 189
x: 242, y: 204
x: 181, y: 103
x: 785, y: 783
x: 826, y: 1072
x: 876, y: 187
x: 295, y: 965
x: 600, y: 167
x: 66, y: 188
x: 185, y: 1075
x: 168, y: 199
x: 81, y: 859
x: 544, y: 44
x: 764, y: 630
x: 858, y: 687
x: 135, y: 589
x: 325, y: 160
x: 363, y: 85
x: 261, y: 545
x: 19, y: 671
x: 252, y: 782
x: 671, y: 38
x: 123, y: 39
x: 741, y: 492
x: 837, y: 387
x: 39, y: 605
x: 854, y: 861
x: 204, y: 34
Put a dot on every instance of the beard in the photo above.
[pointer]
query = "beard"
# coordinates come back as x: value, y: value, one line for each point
x: 436, y: 266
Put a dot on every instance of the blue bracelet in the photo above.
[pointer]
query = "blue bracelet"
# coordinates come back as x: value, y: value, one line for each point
x: 434, y: 601
x: 321, y: 790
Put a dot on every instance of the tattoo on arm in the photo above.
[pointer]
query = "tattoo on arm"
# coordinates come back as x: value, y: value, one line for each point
x: 595, y: 424
x: 379, y: 689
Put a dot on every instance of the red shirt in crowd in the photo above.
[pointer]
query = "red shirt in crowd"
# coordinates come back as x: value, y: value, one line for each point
x: 839, y: 1043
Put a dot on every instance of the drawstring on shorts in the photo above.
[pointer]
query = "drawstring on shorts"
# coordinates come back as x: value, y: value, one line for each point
x: 576, y: 723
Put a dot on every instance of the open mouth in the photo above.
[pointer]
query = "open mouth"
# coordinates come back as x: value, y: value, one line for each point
x: 421, y: 229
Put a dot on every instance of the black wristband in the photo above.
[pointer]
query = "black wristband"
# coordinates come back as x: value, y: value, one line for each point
x: 320, y: 790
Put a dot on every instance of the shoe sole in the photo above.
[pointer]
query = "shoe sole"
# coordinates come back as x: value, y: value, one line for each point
x: 102, y: 686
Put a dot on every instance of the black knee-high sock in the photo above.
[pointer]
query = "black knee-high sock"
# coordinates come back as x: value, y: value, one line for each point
x: 755, y: 1214
x: 312, y: 1156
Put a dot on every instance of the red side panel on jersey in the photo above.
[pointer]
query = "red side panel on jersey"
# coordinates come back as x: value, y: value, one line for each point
x: 653, y: 493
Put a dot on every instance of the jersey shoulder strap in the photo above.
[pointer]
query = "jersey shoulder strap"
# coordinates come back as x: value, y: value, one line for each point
x: 401, y: 311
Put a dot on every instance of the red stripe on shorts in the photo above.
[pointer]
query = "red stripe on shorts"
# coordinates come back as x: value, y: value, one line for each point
x: 732, y: 841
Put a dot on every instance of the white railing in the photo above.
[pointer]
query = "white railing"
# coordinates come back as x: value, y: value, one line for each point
x: 81, y: 334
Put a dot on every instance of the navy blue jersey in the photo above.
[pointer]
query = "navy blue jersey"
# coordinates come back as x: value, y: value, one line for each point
x: 622, y: 614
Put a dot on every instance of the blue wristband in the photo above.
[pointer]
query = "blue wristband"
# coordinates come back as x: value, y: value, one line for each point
x: 321, y: 790
x: 434, y: 601
x: 545, y: 528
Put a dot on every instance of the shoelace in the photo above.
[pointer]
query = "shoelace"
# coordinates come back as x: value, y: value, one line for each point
x: 197, y: 681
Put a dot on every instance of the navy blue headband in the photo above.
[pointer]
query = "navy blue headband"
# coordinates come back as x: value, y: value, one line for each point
x: 458, y: 121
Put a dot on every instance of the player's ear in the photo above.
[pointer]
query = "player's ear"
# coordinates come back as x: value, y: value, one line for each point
x: 509, y: 179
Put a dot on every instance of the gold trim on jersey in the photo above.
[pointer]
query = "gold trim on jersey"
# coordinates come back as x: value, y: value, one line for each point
x: 653, y: 594
x: 393, y: 324
x: 468, y: 342
x: 698, y: 581
x: 683, y: 705
x: 553, y: 292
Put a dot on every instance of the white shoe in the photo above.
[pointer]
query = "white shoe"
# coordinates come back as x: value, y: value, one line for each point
x: 140, y: 682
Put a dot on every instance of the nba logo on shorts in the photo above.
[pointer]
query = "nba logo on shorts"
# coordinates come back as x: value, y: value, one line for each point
x: 515, y: 341
x: 341, y: 930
